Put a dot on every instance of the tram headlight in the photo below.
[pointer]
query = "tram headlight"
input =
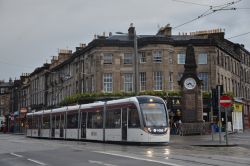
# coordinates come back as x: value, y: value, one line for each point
x: 148, y: 129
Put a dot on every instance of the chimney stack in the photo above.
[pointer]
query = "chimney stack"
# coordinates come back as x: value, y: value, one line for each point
x: 166, y: 31
x: 131, y: 31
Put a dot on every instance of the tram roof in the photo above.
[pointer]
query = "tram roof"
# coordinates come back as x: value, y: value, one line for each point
x: 91, y: 105
x: 62, y: 109
x: 122, y: 100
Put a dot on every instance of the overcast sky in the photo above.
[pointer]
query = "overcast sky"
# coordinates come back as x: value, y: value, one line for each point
x: 32, y: 31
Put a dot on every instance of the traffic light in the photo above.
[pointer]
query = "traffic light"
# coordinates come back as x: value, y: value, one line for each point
x: 214, y: 99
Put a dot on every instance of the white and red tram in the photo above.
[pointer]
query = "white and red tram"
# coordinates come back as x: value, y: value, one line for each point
x: 135, y: 119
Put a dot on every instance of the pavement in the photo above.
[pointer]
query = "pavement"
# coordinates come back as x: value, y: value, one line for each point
x: 234, y: 139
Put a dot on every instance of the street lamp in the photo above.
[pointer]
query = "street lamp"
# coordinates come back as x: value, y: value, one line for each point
x: 136, y: 67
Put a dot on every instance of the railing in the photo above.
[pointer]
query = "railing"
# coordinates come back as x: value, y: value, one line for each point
x: 194, y: 128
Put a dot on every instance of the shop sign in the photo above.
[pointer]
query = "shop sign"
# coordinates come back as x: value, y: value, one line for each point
x: 238, y: 107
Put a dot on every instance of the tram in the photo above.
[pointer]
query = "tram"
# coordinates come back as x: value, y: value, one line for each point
x: 135, y: 119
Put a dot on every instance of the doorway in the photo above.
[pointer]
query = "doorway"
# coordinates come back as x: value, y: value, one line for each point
x: 124, y: 124
x: 83, y: 124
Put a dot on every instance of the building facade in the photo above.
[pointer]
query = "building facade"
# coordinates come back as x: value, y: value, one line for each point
x: 110, y: 65
x: 5, y: 105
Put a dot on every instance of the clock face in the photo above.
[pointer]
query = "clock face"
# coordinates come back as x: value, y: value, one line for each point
x: 190, y: 83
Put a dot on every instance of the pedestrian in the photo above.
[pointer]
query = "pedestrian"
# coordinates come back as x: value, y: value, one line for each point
x: 178, y: 126
x: 4, y: 127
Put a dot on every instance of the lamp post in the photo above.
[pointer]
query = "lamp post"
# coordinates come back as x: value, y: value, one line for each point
x: 136, y: 66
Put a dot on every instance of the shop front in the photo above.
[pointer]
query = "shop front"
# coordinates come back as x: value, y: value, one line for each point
x: 20, y: 119
x: 237, y: 116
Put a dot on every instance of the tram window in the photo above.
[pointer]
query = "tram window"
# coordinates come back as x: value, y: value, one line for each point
x: 33, y: 125
x: 35, y: 122
x: 62, y: 121
x: 30, y: 122
x: 46, y: 122
x: 133, y: 118
x: 53, y: 121
x: 72, y: 121
x: 95, y: 120
x: 57, y: 122
x: 113, y: 118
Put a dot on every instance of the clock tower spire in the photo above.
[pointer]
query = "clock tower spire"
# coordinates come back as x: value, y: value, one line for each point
x: 192, y: 101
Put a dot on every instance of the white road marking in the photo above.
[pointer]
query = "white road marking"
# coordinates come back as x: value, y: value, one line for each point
x: 17, y: 155
x: 100, y: 163
x: 137, y: 158
x: 37, y: 162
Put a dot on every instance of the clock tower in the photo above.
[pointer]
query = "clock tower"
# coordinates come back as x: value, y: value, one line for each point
x: 192, y: 102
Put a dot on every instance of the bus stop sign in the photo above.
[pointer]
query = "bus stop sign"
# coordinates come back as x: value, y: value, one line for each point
x: 225, y: 101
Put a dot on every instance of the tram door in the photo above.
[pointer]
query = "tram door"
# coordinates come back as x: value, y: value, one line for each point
x: 53, y: 126
x: 61, y: 125
x: 39, y: 125
x: 83, y: 124
x: 124, y: 123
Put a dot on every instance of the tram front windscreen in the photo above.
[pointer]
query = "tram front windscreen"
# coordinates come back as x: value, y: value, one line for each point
x: 154, y: 114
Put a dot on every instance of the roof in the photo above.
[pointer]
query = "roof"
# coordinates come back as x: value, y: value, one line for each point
x: 143, y: 40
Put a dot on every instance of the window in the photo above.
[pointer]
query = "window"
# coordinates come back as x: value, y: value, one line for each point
x: 204, y: 78
x: 154, y: 114
x: 107, y: 82
x: 142, y: 56
x: 107, y: 58
x: 181, y: 58
x: 202, y: 58
x: 157, y: 56
x: 133, y: 118
x: 72, y: 121
x: 94, y: 120
x: 46, y: 122
x: 142, y: 81
x: 57, y: 123
x: 158, y: 80
x: 128, y: 82
x: 128, y: 58
x: 113, y: 118
x: 218, y: 78
x: 92, y: 84
x: 171, y: 81
x: 29, y: 122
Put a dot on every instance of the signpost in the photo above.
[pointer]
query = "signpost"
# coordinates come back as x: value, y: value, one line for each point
x: 226, y: 102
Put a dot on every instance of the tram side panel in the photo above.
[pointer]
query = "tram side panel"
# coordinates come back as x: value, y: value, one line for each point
x: 113, y: 135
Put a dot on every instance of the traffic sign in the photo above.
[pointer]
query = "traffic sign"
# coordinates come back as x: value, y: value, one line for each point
x: 225, y: 101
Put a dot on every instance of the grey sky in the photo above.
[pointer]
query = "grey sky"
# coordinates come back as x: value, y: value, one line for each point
x: 31, y: 31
